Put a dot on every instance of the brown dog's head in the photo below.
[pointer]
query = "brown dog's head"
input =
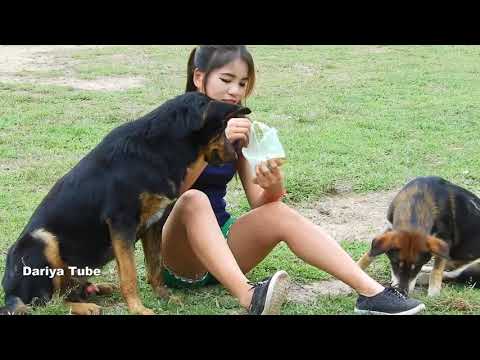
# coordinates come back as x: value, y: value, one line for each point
x: 218, y: 149
x: 407, y: 251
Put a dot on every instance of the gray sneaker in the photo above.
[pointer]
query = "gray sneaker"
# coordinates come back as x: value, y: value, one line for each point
x: 389, y: 302
x: 269, y: 294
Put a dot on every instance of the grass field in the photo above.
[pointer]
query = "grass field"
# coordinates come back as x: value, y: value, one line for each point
x: 370, y: 117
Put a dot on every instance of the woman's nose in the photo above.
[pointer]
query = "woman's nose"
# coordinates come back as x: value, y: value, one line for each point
x: 235, y: 90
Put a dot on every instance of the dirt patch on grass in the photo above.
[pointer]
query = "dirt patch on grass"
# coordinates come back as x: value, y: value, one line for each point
x: 350, y: 216
x: 20, y: 63
x: 305, y: 294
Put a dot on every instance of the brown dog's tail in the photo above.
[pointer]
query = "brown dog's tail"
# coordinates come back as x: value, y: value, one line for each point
x: 13, y: 306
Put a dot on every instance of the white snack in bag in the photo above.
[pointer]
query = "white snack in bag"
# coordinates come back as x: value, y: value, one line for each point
x: 264, y: 145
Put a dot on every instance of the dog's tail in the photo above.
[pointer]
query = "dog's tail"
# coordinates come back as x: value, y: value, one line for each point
x: 13, y: 306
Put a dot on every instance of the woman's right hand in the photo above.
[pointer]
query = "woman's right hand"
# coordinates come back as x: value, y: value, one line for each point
x: 238, y: 129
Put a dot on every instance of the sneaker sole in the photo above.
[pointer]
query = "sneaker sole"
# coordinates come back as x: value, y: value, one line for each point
x: 412, y: 311
x: 276, y: 294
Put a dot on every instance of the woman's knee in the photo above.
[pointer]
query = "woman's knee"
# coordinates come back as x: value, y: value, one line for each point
x: 278, y: 209
x: 192, y: 201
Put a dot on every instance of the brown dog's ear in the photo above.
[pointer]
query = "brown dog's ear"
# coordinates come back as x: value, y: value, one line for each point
x: 382, y: 243
x: 438, y: 247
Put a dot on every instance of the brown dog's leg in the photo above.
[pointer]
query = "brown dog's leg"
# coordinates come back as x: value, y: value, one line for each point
x: 127, y: 272
x: 365, y: 260
x: 151, y: 242
x: 436, y: 276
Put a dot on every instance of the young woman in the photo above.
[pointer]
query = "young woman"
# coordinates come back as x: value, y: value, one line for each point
x: 202, y: 243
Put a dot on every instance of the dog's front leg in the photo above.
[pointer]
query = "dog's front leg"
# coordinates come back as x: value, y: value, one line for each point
x: 365, y: 260
x: 122, y: 244
x: 436, y: 276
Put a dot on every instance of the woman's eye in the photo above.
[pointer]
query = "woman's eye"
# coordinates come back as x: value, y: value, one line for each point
x: 225, y: 80
x: 242, y: 84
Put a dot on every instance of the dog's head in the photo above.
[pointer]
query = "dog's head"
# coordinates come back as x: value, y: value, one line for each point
x: 219, y: 149
x: 199, y: 120
x: 210, y: 135
x: 407, y: 251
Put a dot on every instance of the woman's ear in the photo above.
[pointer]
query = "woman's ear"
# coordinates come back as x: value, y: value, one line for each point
x: 198, y: 78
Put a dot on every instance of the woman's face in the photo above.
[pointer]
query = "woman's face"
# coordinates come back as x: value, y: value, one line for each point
x: 227, y: 83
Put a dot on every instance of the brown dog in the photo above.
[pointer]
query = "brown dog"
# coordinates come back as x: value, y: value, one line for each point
x: 430, y: 217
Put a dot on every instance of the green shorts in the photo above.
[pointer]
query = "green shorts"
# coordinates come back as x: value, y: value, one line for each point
x: 175, y: 281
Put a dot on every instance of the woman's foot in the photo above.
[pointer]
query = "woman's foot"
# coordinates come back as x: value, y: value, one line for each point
x: 269, y: 294
x: 388, y: 302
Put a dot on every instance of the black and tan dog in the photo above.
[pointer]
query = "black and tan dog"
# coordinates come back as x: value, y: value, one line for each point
x: 97, y: 211
x: 430, y: 216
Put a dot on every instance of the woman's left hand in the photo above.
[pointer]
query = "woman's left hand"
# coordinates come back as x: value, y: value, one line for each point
x: 269, y: 174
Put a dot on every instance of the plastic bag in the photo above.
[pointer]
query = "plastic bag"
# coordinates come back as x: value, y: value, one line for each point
x: 264, y: 145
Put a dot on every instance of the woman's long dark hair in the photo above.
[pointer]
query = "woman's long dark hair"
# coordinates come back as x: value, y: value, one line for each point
x: 207, y: 58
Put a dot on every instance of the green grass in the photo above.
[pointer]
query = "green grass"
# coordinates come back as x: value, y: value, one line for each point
x: 371, y: 117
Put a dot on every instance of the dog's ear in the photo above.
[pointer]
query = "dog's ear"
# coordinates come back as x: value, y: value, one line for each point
x: 241, y: 112
x: 438, y: 247
x: 382, y: 243
x: 214, y: 118
x: 219, y: 112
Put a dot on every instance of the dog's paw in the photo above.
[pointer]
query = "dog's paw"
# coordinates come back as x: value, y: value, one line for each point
x: 433, y: 291
x: 162, y: 292
x: 177, y: 300
x: 141, y: 310
x: 106, y: 289
x: 85, y: 309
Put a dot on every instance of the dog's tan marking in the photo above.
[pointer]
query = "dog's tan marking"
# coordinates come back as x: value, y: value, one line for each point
x: 52, y: 250
x: 52, y: 254
x: 221, y: 145
x: 152, y: 207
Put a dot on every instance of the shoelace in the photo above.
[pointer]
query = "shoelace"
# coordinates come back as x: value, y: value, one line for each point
x: 257, y: 284
x: 397, y: 292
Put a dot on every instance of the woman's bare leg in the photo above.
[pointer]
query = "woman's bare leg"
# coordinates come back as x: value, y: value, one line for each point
x: 255, y: 234
x: 192, y: 244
